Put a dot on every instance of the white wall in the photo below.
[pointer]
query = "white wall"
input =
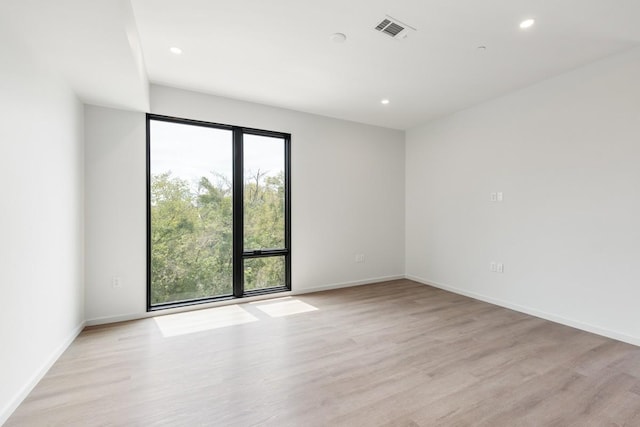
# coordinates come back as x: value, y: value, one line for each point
x: 41, y: 221
x: 347, y: 197
x: 566, y: 154
x: 115, y: 207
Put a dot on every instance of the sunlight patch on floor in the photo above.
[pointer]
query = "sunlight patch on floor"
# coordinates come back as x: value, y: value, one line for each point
x: 173, y: 325
x: 285, y: 308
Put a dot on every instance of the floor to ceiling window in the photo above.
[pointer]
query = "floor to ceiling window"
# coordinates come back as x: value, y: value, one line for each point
x: 218, y: 222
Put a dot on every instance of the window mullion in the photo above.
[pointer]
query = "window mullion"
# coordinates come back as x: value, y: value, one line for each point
x: 238, y: 213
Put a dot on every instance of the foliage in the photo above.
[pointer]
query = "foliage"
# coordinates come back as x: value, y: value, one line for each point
x: 192, y: 240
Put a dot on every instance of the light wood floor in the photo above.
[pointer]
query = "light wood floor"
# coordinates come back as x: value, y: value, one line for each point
x: 393, y: 354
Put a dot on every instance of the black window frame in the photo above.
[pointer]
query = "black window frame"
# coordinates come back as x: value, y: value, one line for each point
x: 239, y: 254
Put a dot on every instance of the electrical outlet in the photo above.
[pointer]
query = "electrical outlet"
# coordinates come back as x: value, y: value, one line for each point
x: 500, y: 268
x: 493, y: 268
x: 116, y: 282
x: 496, y: 196
x: 359, y: 258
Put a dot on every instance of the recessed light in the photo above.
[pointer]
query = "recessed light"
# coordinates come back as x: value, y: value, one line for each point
x: 527, y: 23
x: 338, y: 38
x: 175, y: 50
x: 384, y: 101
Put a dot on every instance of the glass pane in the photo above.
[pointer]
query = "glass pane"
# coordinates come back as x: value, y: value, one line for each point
x: 267, y: 272
x: 263, y: 193
x: 191, y: 212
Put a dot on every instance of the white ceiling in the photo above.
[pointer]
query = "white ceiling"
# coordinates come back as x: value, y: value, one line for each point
x: 279, y: 52
x: 93, y: 44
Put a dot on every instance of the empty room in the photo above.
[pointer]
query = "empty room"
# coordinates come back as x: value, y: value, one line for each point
x: 337, y: 213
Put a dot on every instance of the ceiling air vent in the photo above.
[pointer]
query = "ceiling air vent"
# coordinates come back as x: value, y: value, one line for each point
x: 394, y: 28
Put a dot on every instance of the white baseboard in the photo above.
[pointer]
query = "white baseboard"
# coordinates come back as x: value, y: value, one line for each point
x: 8, y: 409
x: 115, y: 319
x: 135, y: 316
x: 347, y: 284
x: 532, y: 311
